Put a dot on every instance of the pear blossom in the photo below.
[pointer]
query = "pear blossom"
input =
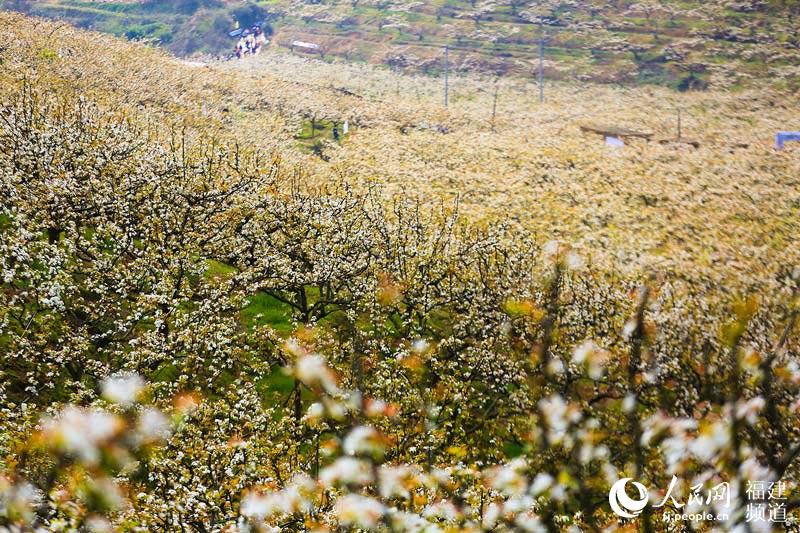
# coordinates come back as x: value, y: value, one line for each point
x: 364, y: 441
x: 81, y: 432
x: 314, y: 371
x: 346, y: 471
x: 359, y: 511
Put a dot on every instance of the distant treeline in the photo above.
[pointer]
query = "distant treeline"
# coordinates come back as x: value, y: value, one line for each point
x: 184, y: 27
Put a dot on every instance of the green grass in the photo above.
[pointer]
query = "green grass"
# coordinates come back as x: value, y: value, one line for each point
x: 264, y: 310
x: 279, y: 381
x: 322, y: 128
x: 216, y: 269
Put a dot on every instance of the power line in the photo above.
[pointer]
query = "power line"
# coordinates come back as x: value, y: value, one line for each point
x: 517, y: 51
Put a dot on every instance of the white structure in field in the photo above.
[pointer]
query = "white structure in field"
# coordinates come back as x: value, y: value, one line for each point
x: 309, y: 47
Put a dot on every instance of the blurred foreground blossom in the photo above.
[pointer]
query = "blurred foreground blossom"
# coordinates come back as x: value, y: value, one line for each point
x: 123, y: 389
x: 81, y: 432
x: 359, y: 511
x: 313, y: 371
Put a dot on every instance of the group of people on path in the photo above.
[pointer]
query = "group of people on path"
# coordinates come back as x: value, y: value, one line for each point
x: 250, y: 42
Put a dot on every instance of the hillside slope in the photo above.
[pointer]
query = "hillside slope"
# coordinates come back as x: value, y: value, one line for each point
x: 681, y: 44
x: 216, y: 315
x: 728, y: 208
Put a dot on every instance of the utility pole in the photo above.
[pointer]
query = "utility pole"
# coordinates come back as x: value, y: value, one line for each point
x: 541, y: 71
x: 446, y: 73
x: 494, y: 106
x: 541, y: 63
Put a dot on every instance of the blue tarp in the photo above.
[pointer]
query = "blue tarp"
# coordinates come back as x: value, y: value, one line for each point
x: 613, y: 141
x: 784, y: 136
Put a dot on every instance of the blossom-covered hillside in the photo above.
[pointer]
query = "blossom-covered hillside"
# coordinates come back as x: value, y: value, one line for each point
x: 223, y: 311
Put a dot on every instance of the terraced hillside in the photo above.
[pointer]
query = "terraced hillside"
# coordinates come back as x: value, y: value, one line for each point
x: 683, y: 44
